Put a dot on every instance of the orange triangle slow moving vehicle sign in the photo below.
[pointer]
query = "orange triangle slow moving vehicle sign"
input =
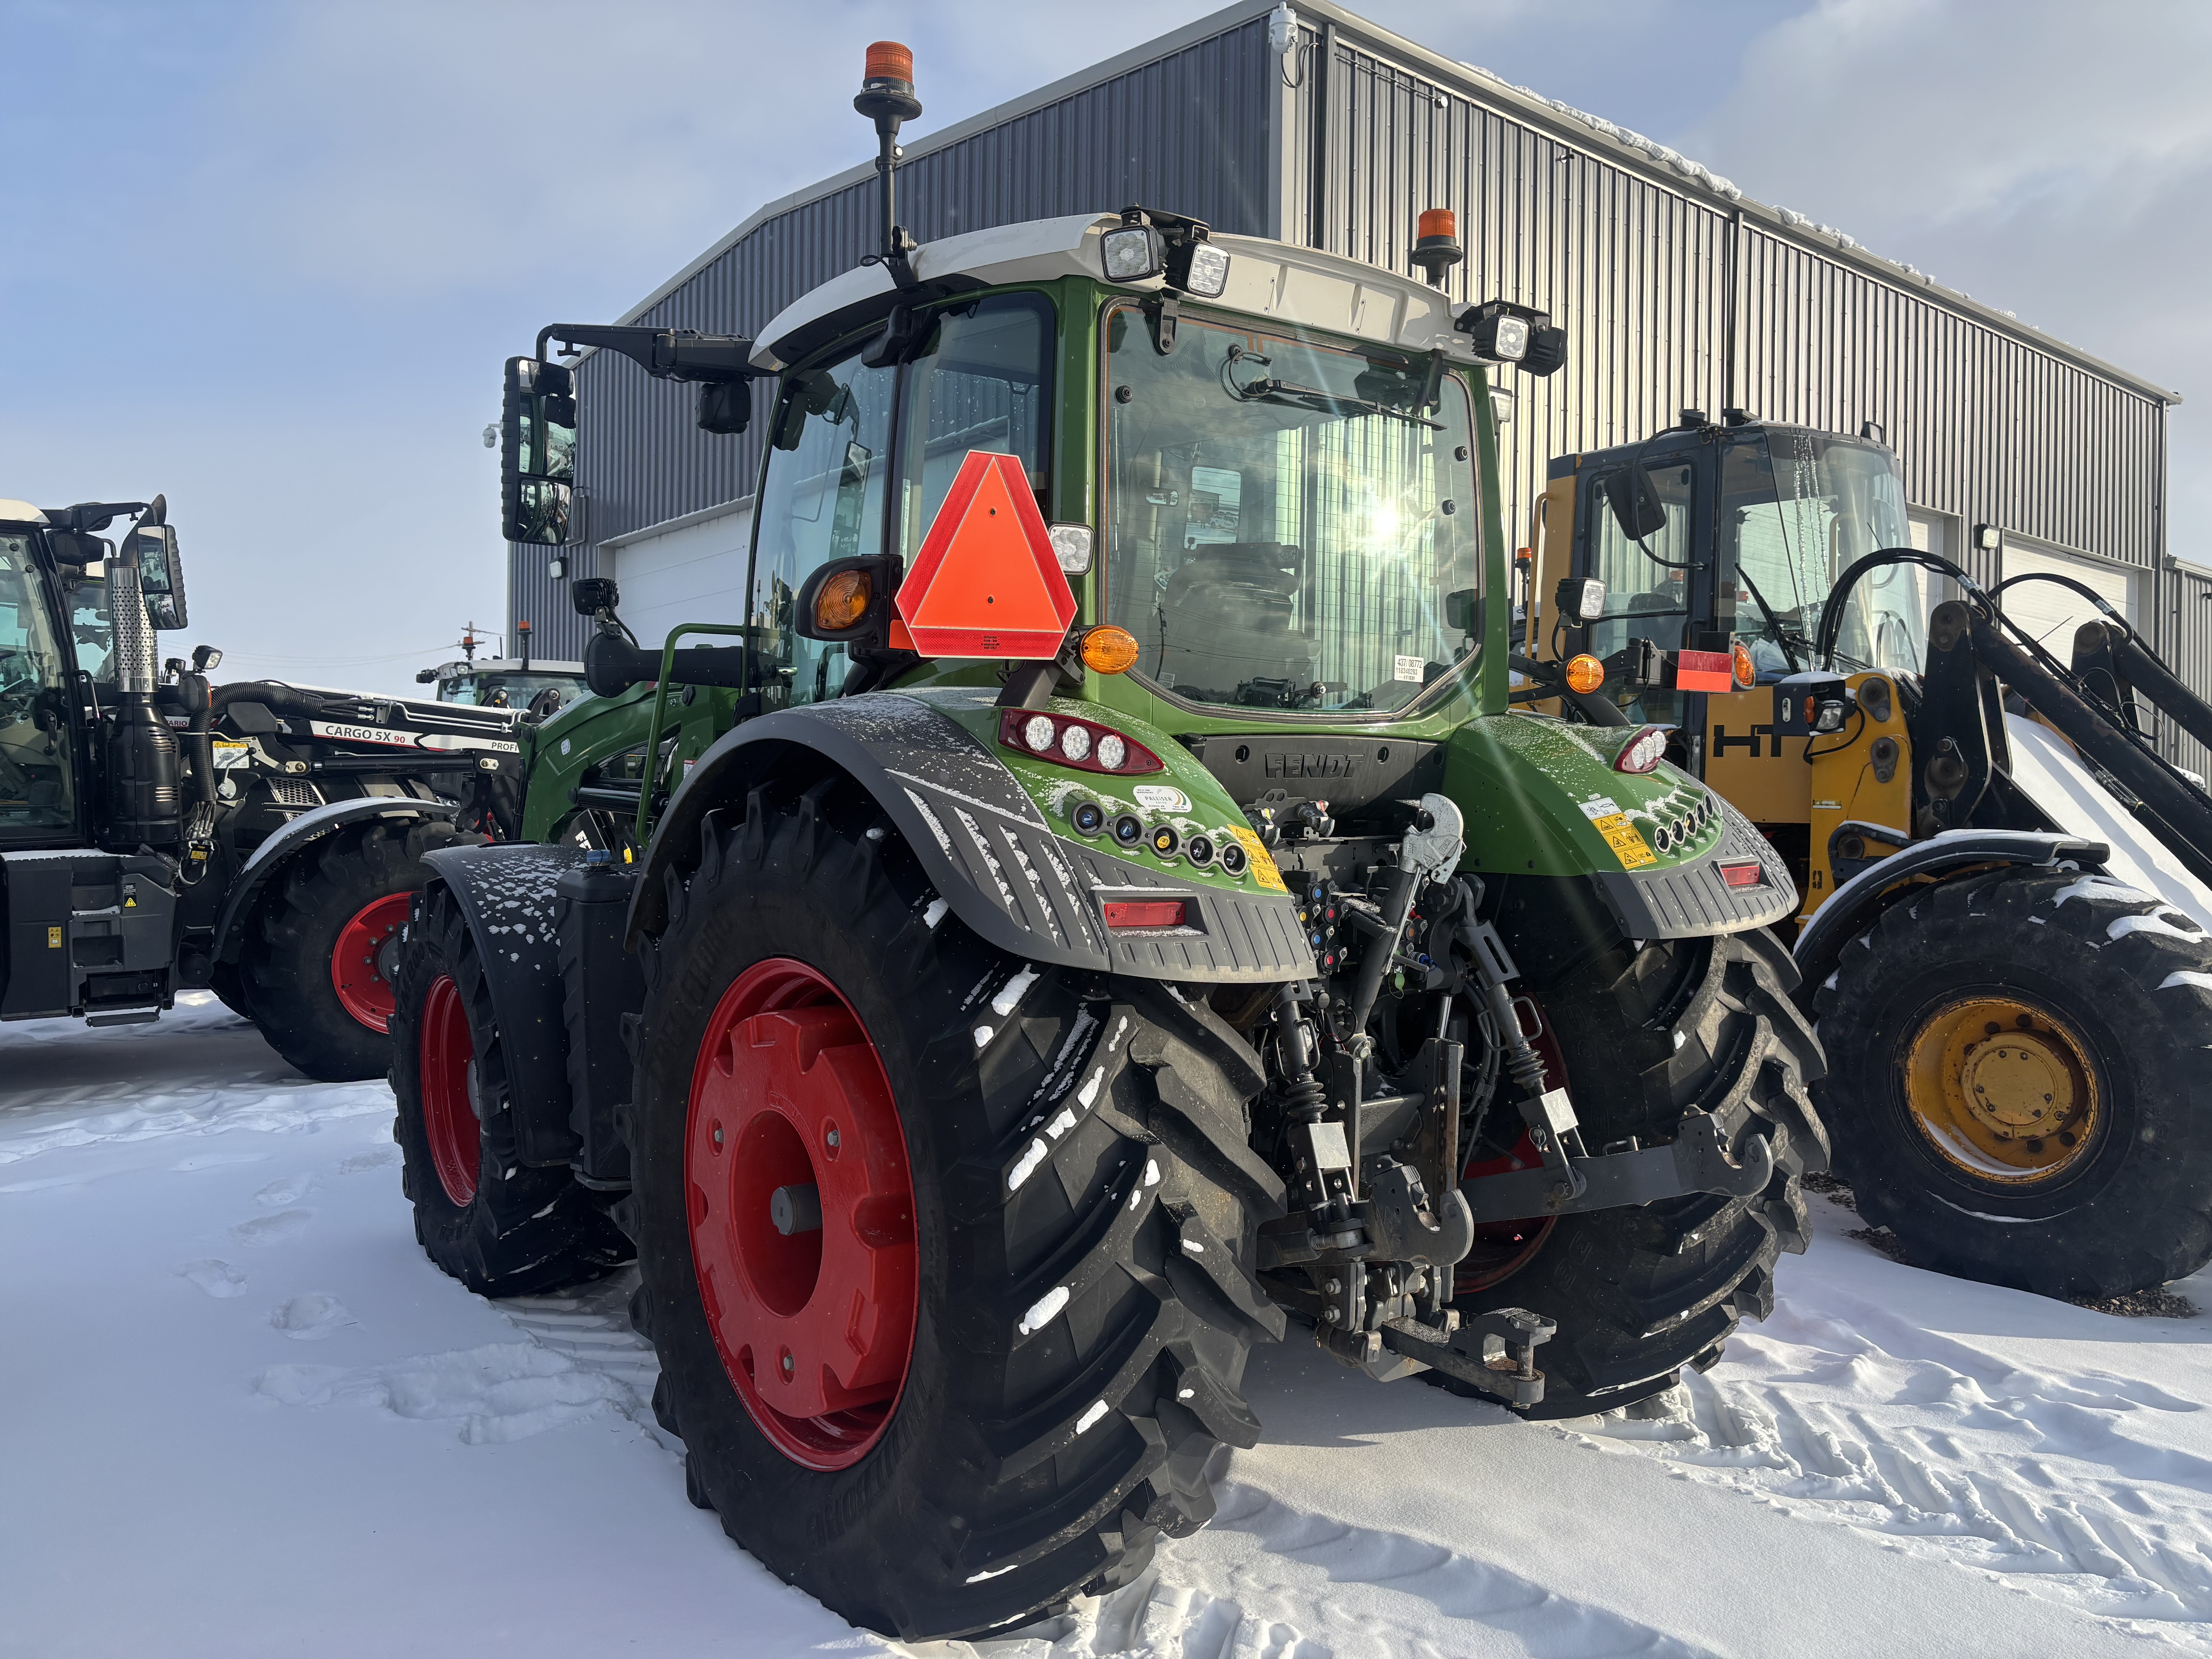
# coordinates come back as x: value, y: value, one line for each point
x: 986, y: 582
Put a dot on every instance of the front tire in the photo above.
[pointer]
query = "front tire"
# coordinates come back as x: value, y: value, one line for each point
x: 321, y: 950
x: 500, y: 1226
x: 1644, y: 1036
x: 1021, y: 1386
x: 2094, y: 1181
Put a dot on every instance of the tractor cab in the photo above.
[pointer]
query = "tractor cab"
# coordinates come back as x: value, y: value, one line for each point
x: 1698, y: 567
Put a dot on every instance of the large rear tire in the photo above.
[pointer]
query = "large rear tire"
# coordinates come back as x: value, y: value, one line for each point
x: 1646, y: 1035
x: 2019, y: 1088
x: 1045, y: 1287
x: 321, y: 949
x: 500, y: 1226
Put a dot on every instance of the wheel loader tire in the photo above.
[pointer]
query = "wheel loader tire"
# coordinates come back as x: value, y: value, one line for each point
x: 1950, y: 1021
x: 989, y: 1364
x: 499, y: 1226
x: 1645, y: 1037
x: 320, y: 949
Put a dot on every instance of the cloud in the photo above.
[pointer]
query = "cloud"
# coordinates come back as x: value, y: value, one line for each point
x: 2053, y: 162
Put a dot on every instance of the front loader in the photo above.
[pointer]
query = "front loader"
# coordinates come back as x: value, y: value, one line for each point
x: 1095, y: 911
x: 2003, y: 925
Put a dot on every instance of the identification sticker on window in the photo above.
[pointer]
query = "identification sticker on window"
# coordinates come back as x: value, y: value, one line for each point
x: 1410, y: 668
x: 1263, y: 861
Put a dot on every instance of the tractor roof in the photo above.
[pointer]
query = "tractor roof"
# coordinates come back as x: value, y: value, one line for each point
x: 14, y: 512
x: 1274, y: 280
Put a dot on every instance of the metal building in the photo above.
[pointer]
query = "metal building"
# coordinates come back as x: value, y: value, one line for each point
x: 1314, y: 125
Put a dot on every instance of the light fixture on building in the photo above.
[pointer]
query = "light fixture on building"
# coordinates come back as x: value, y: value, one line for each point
x: 557, y: 568
x: 1988, y: 538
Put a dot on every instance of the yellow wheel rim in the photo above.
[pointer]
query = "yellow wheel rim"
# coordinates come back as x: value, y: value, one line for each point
x: 2003, y: 1090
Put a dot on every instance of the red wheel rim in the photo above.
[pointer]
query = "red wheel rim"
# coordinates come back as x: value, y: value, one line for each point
x: 1502, y: 1248
x: 361, y: 961
x: 815, y: 1326
x: 449, y: 1122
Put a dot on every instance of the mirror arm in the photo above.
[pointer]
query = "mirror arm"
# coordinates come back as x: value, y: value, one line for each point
x: 664, y: 353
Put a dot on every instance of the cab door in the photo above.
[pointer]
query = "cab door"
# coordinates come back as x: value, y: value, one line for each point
x: 38, y: 758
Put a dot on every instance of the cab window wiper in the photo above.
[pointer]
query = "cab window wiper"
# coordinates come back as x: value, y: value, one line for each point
x: 1266, y: 389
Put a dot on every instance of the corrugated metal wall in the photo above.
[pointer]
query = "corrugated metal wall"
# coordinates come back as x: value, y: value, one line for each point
x: 1189, y: 132
x: 2187, y: 645
x: 1991, y: 428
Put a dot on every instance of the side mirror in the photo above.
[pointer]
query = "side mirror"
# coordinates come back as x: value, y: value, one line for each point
x: 1460, y: 611
x: 1635, y: 501
x: 161, y: 575
x: 537, y: 451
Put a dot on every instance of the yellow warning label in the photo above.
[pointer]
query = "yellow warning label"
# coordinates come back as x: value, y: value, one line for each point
x: 1622, y: 835
x: 1263, y: 862
x: 53, y: 939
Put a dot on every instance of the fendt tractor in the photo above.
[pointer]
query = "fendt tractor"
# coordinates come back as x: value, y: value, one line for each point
x: 2003, y: 916
x: 158, y: 832
x: 1097, y: 911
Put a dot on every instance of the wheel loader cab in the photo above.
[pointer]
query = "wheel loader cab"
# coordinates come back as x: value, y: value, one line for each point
x: 1760, y: 522
x: 41, y: 744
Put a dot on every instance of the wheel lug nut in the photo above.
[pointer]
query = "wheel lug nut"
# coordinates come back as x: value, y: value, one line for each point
x: 830, y: 1139
x: 789, y: 1363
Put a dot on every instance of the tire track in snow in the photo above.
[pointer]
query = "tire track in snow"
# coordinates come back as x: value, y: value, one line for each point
x: 576, y: 1357
x: 2062, y: 1484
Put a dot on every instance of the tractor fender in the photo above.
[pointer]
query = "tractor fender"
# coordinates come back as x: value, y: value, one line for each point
x: 304, y: 831
x: 984, y: 845
x: 1852, y: 909
x: 505, y: 893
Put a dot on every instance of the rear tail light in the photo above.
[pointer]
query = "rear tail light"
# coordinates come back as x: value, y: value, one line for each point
x: 1743, y: 873
x: 1067, y: 741
x: 1642, y: 751
x: 1144, y: 912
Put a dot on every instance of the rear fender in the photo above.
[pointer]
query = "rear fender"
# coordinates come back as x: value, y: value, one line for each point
x: 273, y: 855
x: 1856, y: 904
x: 505, y: 893
x: 985, y: 845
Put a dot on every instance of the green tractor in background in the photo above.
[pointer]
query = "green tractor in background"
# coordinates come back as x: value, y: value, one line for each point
x: 1100, y: 911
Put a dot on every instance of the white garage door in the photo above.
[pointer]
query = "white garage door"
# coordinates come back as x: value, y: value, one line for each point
x: 2050, y: 613
x: 692, y: 572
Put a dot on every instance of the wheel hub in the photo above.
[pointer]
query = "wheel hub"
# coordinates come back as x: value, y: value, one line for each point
x: 801, y: 1214
x: 2003, y: 1090
x: 367, y: 956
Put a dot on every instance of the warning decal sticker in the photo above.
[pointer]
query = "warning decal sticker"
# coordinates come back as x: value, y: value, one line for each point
x: 1622, y: 835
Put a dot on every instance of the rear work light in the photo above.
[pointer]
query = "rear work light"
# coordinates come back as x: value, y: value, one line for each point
x: 1743, y: 873
x: 1067, y: 741
x: 1144, y: 912
x: 1642, y: 751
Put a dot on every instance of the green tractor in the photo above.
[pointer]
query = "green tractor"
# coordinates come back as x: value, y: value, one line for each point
x: 1097, y: 911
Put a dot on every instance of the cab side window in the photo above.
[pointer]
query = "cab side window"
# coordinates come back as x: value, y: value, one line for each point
x: 983, y: 381
x: 36, y: 794
x: 1645, y: 598
x: 828, y: 480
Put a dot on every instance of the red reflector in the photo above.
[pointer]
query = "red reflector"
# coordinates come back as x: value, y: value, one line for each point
x: 1704, y: 670
x: 1745, y: 872
x: 1144, y: 912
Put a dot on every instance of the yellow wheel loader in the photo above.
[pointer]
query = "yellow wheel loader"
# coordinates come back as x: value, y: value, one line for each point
x: 2003, y: 906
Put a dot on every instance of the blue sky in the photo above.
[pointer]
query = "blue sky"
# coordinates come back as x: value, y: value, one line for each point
x: 268, y: 257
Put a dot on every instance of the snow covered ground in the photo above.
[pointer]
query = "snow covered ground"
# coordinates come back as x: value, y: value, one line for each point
x: 244, y: 1416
